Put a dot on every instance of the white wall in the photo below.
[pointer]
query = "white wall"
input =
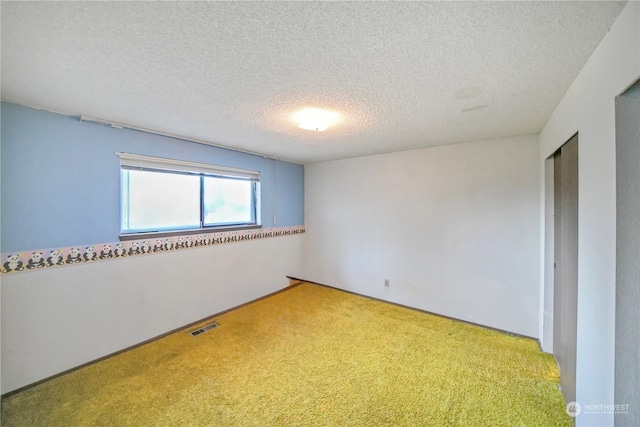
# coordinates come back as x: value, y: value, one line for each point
x: 454, y: 228
x: 57, y: 319
x: 588, y: 108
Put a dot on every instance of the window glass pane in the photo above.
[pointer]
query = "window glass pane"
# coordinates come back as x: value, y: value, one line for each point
x: 159, y: 201
x: 228, y: 201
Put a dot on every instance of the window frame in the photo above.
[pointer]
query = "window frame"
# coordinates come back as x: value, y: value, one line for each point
x: 202, y: 170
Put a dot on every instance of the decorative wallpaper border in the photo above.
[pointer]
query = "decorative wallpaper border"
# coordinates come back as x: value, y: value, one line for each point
x: 39, y: 259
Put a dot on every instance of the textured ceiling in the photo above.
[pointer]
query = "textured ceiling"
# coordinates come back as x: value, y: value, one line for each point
x: 403, y: 74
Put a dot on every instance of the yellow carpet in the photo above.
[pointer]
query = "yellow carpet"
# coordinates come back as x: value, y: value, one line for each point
x: 309, y: 356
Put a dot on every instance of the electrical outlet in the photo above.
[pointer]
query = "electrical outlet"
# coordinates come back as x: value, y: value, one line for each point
x: 386, y: 282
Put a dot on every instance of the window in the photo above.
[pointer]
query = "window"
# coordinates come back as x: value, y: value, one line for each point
x: 162, y: 195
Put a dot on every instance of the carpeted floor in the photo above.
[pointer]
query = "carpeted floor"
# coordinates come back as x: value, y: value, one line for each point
x: 309, y: 356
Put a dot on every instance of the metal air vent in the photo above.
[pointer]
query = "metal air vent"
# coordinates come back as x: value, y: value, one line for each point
x: 203, y: 329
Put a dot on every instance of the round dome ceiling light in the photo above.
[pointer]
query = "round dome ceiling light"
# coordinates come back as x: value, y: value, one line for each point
x: 316, y: 119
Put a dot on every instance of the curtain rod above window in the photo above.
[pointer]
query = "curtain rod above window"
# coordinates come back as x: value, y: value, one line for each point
x: 170, y: 135
x: 138, y: 161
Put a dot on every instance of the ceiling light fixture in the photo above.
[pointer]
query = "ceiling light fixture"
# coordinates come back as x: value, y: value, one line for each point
x: 316, y: 119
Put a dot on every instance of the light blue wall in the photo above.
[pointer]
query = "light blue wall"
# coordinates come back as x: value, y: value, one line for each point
x: 61, y: 178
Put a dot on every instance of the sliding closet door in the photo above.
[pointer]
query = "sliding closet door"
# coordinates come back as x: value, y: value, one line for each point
x: 565, y: 307
x: 627, y: 365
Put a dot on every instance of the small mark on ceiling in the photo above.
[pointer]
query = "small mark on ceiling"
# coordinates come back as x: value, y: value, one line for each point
x: 474, y: 108
x: 468, y: 93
